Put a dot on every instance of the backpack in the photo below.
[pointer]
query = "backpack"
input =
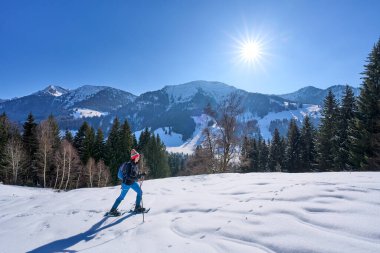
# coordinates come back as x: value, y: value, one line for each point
x: 122, y: 172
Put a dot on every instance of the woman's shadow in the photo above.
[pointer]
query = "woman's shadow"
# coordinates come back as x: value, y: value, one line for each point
x: 63, y: 244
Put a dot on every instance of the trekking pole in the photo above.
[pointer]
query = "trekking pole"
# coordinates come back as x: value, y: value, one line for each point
x: 142, y: 203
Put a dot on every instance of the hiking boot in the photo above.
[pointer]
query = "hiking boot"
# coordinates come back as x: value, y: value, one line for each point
x: 114, y: 212
x: 139, y: 209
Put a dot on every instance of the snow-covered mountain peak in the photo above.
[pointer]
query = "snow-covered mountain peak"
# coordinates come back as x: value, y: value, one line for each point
x: 53, y: 90
x: 184, y: 92
x: 84, y: 92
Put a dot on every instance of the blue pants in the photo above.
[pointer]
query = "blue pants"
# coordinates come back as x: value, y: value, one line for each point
x: 124, y: 189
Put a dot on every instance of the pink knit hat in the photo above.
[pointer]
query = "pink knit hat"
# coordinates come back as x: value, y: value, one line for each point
x: 134, y: 154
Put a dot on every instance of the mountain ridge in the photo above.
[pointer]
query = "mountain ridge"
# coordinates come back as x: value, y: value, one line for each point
x: 174, y: 107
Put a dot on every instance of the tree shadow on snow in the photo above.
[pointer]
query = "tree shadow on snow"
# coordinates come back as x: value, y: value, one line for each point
x: 63, y: 244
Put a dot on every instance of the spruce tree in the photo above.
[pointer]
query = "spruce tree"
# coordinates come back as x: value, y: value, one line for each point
x: 293, y: 148
x: 254, y: 155
x: 346, y: 115
x: 263, y: 155
x: 245, y: 155
x: 365, y: 131
x: 276, y: 153
x: 308, y: 151
x: 126, y: 141
x: 69, y: 136
x: 144, y: 140
x: 99, y: 146
x: 327, y: 135
x: 89, y: 145
x: 156, y: 158
x: 113, y: 150
x: 30, y: 143
x: 79, y: 142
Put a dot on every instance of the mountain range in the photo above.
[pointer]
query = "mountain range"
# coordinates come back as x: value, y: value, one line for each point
x: 175, y: 109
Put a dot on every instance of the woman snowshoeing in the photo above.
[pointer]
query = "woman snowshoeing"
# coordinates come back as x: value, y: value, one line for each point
x: 129, y: 173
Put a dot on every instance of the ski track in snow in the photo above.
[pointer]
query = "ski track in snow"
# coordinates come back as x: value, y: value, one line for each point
x: 256, y: 212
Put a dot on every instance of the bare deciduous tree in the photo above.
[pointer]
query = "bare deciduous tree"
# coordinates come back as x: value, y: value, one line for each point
x: 222, y: 144
x: 102, y: 174
x: 230, y: 109
x: 68, y: 163
x: 90, y: 171
x: 46, y: 142
x: 14, y: 153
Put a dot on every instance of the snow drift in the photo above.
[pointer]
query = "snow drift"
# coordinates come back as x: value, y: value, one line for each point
x: 256, y: 212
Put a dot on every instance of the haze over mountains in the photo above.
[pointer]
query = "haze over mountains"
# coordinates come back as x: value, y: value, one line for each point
x: 175, y: 109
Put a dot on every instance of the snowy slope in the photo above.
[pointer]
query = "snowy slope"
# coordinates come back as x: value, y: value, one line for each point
x: 53, y: 90
x: 313, y: 111
x: 273, y: 212
x: 87, y: 113
x: 170, y: 140
x: 184, y: 92
x: 189, y: 145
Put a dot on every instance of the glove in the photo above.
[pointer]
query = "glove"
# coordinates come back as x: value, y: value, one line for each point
x: 142, y: 174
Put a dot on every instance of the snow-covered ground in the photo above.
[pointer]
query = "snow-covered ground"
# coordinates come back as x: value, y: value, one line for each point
x: 170, y: 139
x: 312, y: 111
x: 87, y: 113
x: 189, y: 146
x: 257, y: 212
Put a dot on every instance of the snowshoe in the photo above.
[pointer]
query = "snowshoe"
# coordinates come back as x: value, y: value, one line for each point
x: 113, y: 213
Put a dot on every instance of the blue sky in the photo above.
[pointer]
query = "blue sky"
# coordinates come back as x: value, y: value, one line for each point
x: 140, y: 46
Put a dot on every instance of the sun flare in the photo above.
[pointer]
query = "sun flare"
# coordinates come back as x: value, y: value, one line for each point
x: 251, y: 51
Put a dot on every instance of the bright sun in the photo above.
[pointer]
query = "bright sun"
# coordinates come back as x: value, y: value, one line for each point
x: 251, y: 51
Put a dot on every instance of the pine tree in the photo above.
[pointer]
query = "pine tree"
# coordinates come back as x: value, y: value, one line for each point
x: 365, y: 131
x: 30, y: 143
x: 293, y: 148
x: 144, y: 140
x: 346, y: 116
x: 134, y: 141
x: 327, y: 136
x: 126, y: 141
x: 263, y: 156
x: 99, y: 146
x: 113, y: 150
x: 79, y: 142
x: 89, y: 145
x: 254, y: 155
x: 69, y: 136
x: 156, y: 157
x: 308, y: 151
x: 276, y: 153
x: 245, y: 158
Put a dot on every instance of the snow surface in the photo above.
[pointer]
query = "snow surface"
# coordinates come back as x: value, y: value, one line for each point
x: 313, y: 111
x: 82, y: 93
x: 87, y: 113
x: 170, y: 140
x: 175, y: 144
x: 256, y: 212
x: 189, y: 146
x: 184, y: 92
